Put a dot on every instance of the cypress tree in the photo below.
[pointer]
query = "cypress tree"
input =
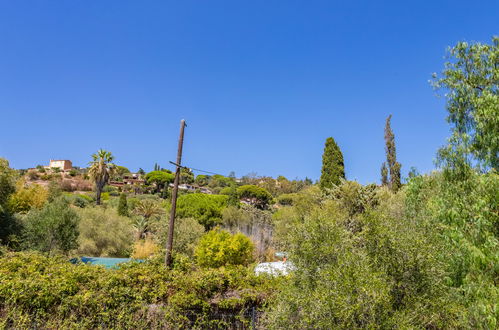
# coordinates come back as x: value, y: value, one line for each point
x: 384, y: 175
x: 391, y: 157
x: 333, y: 168
x: 123, y: 205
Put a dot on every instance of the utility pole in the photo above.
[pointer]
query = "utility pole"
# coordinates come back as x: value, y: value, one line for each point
x: 169, y: 243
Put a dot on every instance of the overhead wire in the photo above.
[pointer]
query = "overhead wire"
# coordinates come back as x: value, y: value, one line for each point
x: 195, y: 169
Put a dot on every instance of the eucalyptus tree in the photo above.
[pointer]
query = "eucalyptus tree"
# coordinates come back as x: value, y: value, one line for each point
x: 470, y: 84
x: 100, y: 170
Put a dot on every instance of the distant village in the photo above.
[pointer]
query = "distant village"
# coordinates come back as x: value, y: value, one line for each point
x: 72, y: 175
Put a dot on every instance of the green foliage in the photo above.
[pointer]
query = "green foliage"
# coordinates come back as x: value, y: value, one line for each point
x: 122, y: 206
x: 27, y: 197
x: 8, y: 223
x: 387, y: 271
x: 73, y: 172
x: 187, y: 233
x: 148, y: 208
x: 333, y: 168
x: 103, y: 233
x: 78, y: 200
x: 394, y: 167
x: 470, y: 83
x: 51, y: 293
x: 286, y: 199
x: 384, y: 174
x: 231, y: 192
x: 160, y: 179
x: 121, y: 170
x: 206, y: 209
x: 186, y: 176
x: 202, y: 180
x: 54, y: 228
x: 221, y: 181
x: 257, y: 196
x: 219, y: 248
x: 465, y: 213
x: 354, y: 197
x: 7, y: 182
x: 54, y: 190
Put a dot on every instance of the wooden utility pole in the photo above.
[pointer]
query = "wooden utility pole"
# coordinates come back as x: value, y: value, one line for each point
x: 169, y: 243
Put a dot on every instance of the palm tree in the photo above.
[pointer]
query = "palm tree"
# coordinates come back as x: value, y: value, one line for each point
x: 100, y: 170
x: 148, y: 209
x: 141, y: 226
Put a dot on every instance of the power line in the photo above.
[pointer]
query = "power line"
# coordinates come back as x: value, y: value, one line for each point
x: 196, y: 169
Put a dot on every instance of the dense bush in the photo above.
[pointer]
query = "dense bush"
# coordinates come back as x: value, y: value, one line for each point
x: 79, y: 200
x: 27, y: 197
x: 220, y: 248
x: 286, y: 199
x: 104, y: 233
x: 207, y: 209
x: 52, y: 228
x: 41, y: 292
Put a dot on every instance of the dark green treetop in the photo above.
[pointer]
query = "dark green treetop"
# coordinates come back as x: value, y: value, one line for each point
x: 333, y: 167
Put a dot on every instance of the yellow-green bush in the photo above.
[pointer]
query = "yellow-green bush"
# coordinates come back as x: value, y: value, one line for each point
x: 219, y: 248
x: 27, y: 197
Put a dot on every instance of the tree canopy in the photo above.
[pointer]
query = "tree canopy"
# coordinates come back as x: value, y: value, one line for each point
x: 470, y: 82
x: 333, y: 168
x: 160, y: 179
x: 258, y: 196
x: 207, y: 209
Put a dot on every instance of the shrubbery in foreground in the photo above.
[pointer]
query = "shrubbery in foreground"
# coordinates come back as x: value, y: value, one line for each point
x: 38, y: 291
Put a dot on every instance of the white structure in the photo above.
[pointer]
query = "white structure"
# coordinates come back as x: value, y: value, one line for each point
x: 62, y: 164
x: 276, y: 268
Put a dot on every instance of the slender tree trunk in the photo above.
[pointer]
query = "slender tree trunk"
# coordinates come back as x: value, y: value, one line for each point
x: 98, y: 192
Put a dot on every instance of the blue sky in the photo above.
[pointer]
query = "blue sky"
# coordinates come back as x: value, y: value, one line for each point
x: 261, y: 84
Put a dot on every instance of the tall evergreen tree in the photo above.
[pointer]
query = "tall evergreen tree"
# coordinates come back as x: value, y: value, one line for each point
x: 333, y: 168
x: 123, y: 205
x: 391, y: 157
x: 384, y: 175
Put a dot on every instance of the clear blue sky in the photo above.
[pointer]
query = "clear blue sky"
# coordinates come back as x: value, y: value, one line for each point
x: 261, y: 84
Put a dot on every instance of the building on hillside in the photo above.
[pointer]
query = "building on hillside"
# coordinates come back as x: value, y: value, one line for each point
x: 193, y: 188
x: 133, y: 178
x: 63, y: 165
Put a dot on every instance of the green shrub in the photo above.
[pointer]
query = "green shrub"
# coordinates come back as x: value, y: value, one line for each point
x: 220, y: 248
x: 52, y: 228
x: 103, y: 233
x: 286, y: 199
